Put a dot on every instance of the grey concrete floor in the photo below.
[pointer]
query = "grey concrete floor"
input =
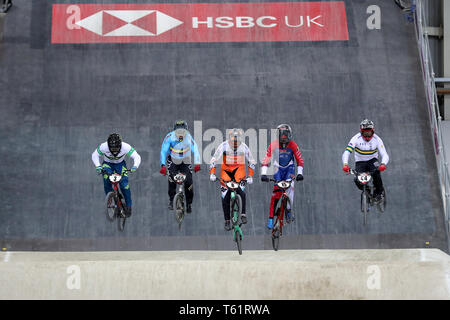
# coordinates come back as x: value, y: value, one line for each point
x: 60, y: 101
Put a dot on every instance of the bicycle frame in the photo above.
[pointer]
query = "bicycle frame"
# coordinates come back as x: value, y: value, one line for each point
x: 283, y: 200
x: 115, y: 184
x: 367, y: 195
x: 233, y: 193
x: 366, y: 179
x: 232, y: 187
x: 283, y: 185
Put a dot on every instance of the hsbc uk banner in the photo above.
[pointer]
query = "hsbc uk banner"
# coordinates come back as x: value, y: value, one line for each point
x: 199, y: 22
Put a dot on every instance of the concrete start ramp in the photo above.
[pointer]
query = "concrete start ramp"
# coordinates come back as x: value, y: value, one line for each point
x: 59, y: 101
x: 224, y: 275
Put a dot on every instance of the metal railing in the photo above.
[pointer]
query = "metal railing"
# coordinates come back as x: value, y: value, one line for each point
x: 433, y: 106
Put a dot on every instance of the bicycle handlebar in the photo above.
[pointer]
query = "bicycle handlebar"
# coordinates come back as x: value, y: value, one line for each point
x: 244, y: 180
x: 275, y: 180
x: 106, y: 172
x: 355, y: 173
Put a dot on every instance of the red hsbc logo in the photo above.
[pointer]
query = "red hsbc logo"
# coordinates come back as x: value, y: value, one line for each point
x: 199, y: 22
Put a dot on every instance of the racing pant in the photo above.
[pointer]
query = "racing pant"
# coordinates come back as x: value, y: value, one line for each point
x: 188, y: 185
x: 371, y: 167
x: 123, y: 184
x: 287, y: 173
x: 226, y: 195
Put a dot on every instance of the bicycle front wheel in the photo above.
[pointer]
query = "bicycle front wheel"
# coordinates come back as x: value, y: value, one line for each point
x: 111, y: 206
x: 236, y: 209
x: 179, y: 208
x: 364, y: 206
x: 276, y: 231
x: 238, y: 239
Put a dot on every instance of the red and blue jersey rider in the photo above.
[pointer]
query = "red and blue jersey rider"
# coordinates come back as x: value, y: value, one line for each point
x: 282, y: 152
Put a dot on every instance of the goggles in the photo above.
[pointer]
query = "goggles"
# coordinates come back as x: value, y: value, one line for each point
x: 367, y: 132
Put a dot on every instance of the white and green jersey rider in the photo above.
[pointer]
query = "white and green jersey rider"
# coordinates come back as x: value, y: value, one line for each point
x: 103, y: 151
x: 365, y: 150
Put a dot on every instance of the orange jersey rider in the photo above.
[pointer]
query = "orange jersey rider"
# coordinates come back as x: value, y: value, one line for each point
x: 234, y: 152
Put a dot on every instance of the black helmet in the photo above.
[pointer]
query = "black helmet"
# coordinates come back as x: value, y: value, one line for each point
x: 180, y: 124
x: 367, y: 129
x: 114, y: 143
x: 284, y: 134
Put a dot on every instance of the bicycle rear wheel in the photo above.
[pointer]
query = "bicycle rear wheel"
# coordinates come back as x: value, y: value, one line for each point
x: 382, y: 204
x: 121, y: 221
x: 121, y: 213
x: 179, y: 208
x: 111, y: 206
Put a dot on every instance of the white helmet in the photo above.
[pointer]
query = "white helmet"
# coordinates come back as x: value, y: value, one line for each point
x: 367, y: 129
x: 235, y: 137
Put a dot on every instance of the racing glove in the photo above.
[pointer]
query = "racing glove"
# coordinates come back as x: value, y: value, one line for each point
x: 249, y: 180
x: 163, y: 170
x: 264, y: 178
x: 99, y: 169
x: 133, y: 169
x: 197, y: 168
x: 346, y: 168
x: 299, y: 177
x: 382, y: 167
x: 212, y: 177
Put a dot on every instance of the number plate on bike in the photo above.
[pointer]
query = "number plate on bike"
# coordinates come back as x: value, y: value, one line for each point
x: 179, y: 177
x: 284, y: 184
x: 232, y: 185
x: 364, y: 177
x: 115, y: 177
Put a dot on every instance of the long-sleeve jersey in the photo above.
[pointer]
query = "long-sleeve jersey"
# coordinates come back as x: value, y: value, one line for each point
x: 179, y: 151
x: 102, y: 151
x: 365, y: 150
x: 283, y: 157
x: 233, y: 161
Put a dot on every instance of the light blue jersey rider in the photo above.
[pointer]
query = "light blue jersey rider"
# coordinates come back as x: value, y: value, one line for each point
x: 178, y: 151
